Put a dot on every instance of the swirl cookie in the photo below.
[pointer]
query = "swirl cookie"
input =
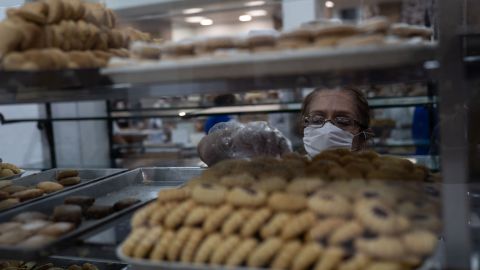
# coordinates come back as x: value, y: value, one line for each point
x: 235, y: 221
x: 304, y: 186
x: 384, y: 247
x: 178, y: 214
x: 330, y: 204
x: 209, y: 194
x: 145, y: 245
x: 420, y: 242
x: 255, y: 222
x: 376, y: 216
x: 241, y: 252
x: 207, y: 248
x: 275, y: 225
x: 307, y: 256
x: 226, y: 247
x: 285, y: 257
x: 159, y: 252
x: 180, y: 239
x: 298, y: 225
x: 286, y: 202
x: 216, y: 219
x: 246, y: 197
x: 191, y: 246
x: 174, y: 194
x: 264, y: 253
x: 198, y: 215
x: 270, y: 184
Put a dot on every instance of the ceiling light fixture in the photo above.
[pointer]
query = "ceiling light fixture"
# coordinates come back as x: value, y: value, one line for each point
x: 329, y: 4
x: 206, y: 22
x: 257, y: 13
x: 192, y: 10
x: 195, y: 19
x: 254, y: 3
x: 245, y: 18
x: 182, y: 114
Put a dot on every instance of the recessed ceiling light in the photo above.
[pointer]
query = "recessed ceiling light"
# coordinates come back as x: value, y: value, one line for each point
x: 257, y: 13
x: 206, y: 22
x: 182, y: 114
x: 192, y: 10
x: 329, y: 4
x: 254, y: 3
x: 245, y: 18
x: 195, y: 19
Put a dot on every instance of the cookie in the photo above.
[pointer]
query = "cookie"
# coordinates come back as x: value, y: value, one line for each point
x: 55, y: 10
x: 159, y: 212
x: 174, y: 194
x: 420, y: 242
x: 29, y: 216
x: 207, y: 248
x: 178, y: 214
x: 132, y: 241
x: 286, y: 255
x: 146, y: 244
x: 4, y: 184
x: 286, y: 202
x: 237, y: 180
x: 49, y: 187
x: 373, y: 193
x: 159, y: 252
x: 304, y: 186
x: 125, y: 203
x: 224, y: 249
x: 385, y: 266
x: 6, y: 172
x: 70, y: 181
x: 235, y: 221
x: 98, y: 211
x: 330, y: 259
x: 178, y: 242
x: 27, y: 194
x: 82, y: 201
x: 67, y: 213
x: 321, y: 230
x: 246, y: 197
x: 209, y: 194
x: 270, y: 184
x: 255, y: 222
x: 197, y: 215
x: 383, y: 247
x: 306, y: 256
x: 36, y: 241
x: 141, y: 217
x: 264, y: 253
x: 66, y: 174
x: 14, y: 237
x: 35, y: 226
x: 8, y: 226
x: 240, y: 254
x: 329, y: 204
x: 216, y: 218
x: 358, y: 262
x: 57, y: 229
x: 14, y: 189
x: 5, y: 204
x: 376, y: 216
x: 346, y: 233
x: 274, y: 225
x: 298, y: 225
x: 191, y: 246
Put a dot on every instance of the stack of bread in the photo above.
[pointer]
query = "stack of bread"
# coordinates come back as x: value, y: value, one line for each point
x: 340, y: 211
x: 60, y: 34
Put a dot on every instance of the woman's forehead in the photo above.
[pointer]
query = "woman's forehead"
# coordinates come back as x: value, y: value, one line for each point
x: 332, y: 101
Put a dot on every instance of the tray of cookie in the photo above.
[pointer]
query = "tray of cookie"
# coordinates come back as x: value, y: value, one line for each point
x: 41, y: 228
x: 60, y: 264
x: 20, y: 191
x: 341, y: 210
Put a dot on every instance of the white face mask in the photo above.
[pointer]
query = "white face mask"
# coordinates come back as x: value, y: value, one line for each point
x: 329, y: 136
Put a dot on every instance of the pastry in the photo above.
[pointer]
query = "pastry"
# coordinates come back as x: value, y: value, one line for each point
x: 8, y: 226
x: 376, y: 216
x: 49, y: 187
x: 304, y: 186
x: 13, y: 189
x: 158, y: 215
x: 146, y: 244
x: 207, y: 248
x: 82, y: 201
x: 4, y: 184
x: 216, y: 219
x: 178, y: 214
x: 321, y: 230
x: 175, y: 194
x: 405, y: 30
x: 178, y: 242
x: 287, y: 202
x: 330, y: 35
x: 275, y: 225
x: 255, y: 222
x: 11, y: 38
x: 420, y: 242
x: 264, y: 253
x: 294, y: 39
x: 197, y: 215
x: 209, y: 194
x: 36, y: 241
x: 307, y: 256
x: 191, y: 246
x: 329, y: 204
x: 141, y: 217
x: 246, y: 197
x: 55, y: 10
x: 298, y: 225
x: 35, y: 226
x: 384, y: 247
x: 237, y: 180
x: 67, y: 213
x: 330, y: 259
x: 70, y: 181
x: 240, y: 254
x: 375, y: 25
x: 385, y: 266
x: 345, y: 233
x: 159, y: 252
x: 98, y: 211
x: 132, y: 240
x: 286, y: 255
x: 29, y: 216
x: 34, y: 12
x: 14, y: 237
x: 261, y: 40
x: 6, y: 173
x: 224, y: 249
x: 4, y: 195
x: 270, y: 184
x: 125, y: 203
x: 57, y: 229
x: 235, y: 221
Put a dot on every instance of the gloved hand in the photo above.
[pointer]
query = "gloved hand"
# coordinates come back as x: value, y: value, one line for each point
x: 233, y: 140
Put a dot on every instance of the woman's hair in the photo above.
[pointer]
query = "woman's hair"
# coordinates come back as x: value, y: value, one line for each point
x: 361, y: 106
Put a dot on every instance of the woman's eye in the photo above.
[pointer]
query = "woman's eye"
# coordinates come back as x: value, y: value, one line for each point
x: 343, y: 121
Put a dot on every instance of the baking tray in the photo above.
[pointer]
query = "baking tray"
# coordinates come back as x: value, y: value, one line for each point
x: 86, y: 175
x: 65, y: 262
x: 143, y: 184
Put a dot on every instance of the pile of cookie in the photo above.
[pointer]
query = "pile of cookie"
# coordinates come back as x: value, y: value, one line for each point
x: 8, y: 169
x: 57, y: 34
x: 36, y: 229
x: 11, y: 194
x: 20, y: 265
x: 325, y: 34
x: 282, y: 214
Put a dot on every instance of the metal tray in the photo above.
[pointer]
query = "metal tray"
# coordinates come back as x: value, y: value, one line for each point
x: 140, y: 183
x: 86, y: 175
x: 65, y: 262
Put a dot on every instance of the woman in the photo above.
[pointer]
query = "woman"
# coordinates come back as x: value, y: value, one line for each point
x: 333, y: 118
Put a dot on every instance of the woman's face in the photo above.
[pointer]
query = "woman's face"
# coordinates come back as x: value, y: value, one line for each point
x: 333, y: 103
